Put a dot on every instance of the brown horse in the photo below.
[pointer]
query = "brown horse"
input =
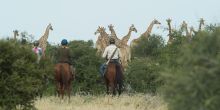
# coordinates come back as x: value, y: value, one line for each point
x: 113, y: 79
x: 63, y: 79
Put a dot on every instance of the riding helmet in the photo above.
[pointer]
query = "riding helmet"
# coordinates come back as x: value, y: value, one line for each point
x: 64, y: 42
x: 112, y: 41
x: 36, y: 43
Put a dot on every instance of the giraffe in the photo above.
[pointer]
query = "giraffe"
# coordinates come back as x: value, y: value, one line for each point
x: 146, y: 34
x: 113, y: 34
x: 170, y: 30
x: 125, y: 49
x: 43, y: 39
x: 15, y: 34
x: 192, y: 30
x: 125, y: 39
x: 201, y: 23
x: 184, y: 27
x: 102, y: 41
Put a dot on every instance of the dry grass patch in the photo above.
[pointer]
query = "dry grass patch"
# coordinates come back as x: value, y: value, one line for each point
x: 124, y: 102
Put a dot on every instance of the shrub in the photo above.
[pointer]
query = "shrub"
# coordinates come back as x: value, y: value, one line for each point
x: 87, y: 65
x: 21, y: 79
x: 193, y: 83
x: 148, y: 47
x: 143, y: 75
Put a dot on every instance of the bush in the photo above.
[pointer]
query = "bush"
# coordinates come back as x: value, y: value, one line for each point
x: 193, y: 83
x: 21, y: 79
x: 143, y: 75
x: 87, y: 65
x: 148, y: 47
x: 143, y: 71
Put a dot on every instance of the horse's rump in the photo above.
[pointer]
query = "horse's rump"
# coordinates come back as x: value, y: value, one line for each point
x: 63, y: 78
x: 62, y: 73
x: 114, y: 78
x: 110, y: 74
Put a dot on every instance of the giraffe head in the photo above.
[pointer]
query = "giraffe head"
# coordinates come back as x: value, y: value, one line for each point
x: 202, y: 21
x: 50, y: 27
x: 100, y: 30
x: 156, y: 22
x: 111, y: 27
x: 132, y: 28
x: 16, y: 33
x: 184, y: 25
x: 169, y: 20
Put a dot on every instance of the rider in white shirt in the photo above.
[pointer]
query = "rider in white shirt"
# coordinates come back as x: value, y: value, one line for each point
x: 109, y: 50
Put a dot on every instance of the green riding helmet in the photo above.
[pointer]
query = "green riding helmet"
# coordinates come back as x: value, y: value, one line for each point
x: 36, y: 43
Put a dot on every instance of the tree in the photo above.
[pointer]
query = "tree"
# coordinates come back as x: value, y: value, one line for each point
x: 142, y: 73
x: 87, y: 65
x: 148, y: 47
x: 21, y: 79
x: 193, y: 82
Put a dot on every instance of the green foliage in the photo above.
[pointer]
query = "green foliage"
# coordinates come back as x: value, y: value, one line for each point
x: 21, y: 79
x: 143, y: 75
x: 143, y: 71
x: 148, y: 47
x: 191, y: 74
x: 87, y: 65
x: 171, y: 51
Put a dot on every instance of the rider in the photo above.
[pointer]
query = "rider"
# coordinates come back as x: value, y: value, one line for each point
x: 64, y: 55
x: 109, y: 50
x: 37, y: 50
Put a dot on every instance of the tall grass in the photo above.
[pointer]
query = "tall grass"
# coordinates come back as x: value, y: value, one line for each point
x: 124, y: 102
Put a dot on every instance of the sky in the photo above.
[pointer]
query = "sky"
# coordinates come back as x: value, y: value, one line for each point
x: 79, y: 19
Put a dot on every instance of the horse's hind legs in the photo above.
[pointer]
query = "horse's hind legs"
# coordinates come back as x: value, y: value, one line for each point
x: 58, y: 90
x: 69, y: 90
x: 119, y: 89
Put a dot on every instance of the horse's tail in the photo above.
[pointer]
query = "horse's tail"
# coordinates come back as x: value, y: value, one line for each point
x: 119, y: 76
x: 63, y: 78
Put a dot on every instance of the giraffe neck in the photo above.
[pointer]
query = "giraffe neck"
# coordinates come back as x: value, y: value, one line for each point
x: 170, y: 32
x: 113, y: 34
x: 43, y: 39
x: 187, y: 32
x: 46, y: 33
x: 15, y: 35
x: 169, y: 26
x: 149, y: 29
x: 103, y: 34
x: 190, y: 34
x: 126, y: 38
x: 200, y: 26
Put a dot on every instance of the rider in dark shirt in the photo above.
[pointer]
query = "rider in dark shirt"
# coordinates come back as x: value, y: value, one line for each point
x: 64, y: 55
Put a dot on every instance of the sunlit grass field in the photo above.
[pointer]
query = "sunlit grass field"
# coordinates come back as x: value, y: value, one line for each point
x: 89, y: 102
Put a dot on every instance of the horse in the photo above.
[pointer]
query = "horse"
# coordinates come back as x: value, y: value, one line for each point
x: 113, y: 79
x: 63, y: 79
